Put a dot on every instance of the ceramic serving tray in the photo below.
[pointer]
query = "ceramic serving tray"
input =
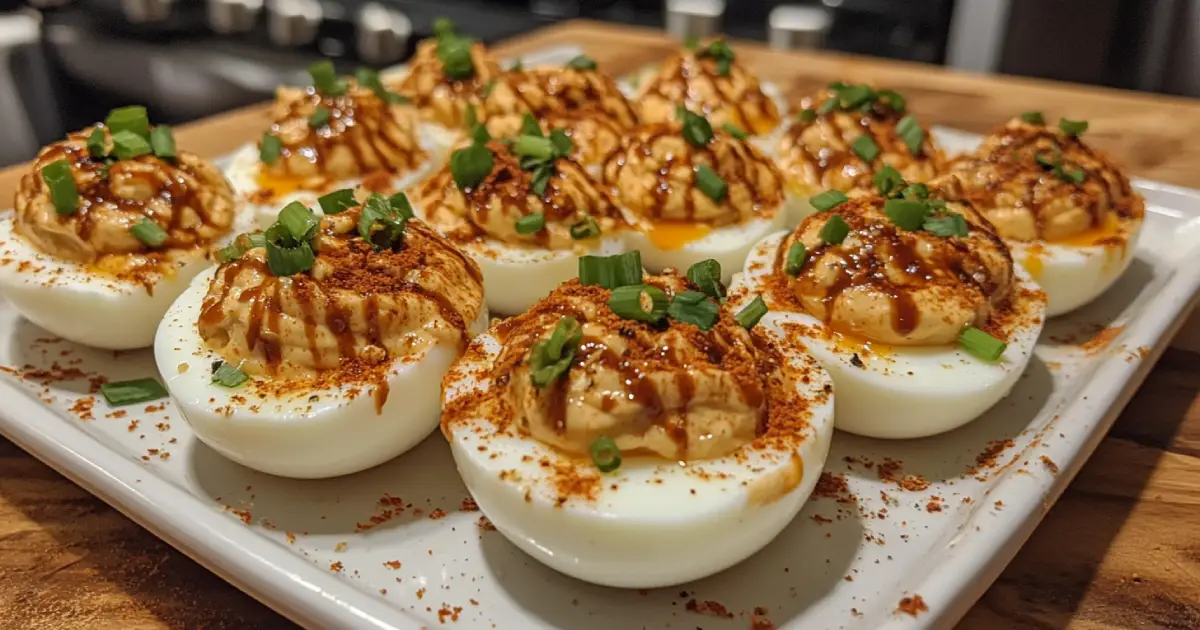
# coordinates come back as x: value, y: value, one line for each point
x: 897, y: 534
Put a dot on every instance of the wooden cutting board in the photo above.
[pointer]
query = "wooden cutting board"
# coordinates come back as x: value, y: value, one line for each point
x: 1121, y: 548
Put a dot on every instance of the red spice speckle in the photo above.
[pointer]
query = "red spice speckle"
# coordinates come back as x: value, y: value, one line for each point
x: 759, y: 621
x: 708, y: 607
x: 1050, y: 465
x: 912, y: 606
x: 336, y: 567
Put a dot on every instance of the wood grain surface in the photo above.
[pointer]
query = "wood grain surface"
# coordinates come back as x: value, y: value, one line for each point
x: 1121, y: 548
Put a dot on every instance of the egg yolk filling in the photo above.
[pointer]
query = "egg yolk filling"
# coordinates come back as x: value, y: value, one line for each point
x: 349, y: 311
x: 833, y: 147
x: 708, y: 79
x: 920, y: 284
x: 667, y: 388
x: 657, y: 176
x: 127, y: 215
x: 1037, y: 183
x: 550, y: 203
x: 318, y: 138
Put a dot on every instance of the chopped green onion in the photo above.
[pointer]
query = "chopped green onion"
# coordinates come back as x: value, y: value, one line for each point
x: 887, y: 179
x: 852, y: 96
x: 533, y: 147
x: 563, y: 146
x: 541, y: 178
x: 865, y: 148
x: 797, y: 255
x: 710, y: 183
x: 97, y: 143
x: 319, y: 118
x: 162, y: 141
x: 400, y: 205
x: 550, y: 359
x: 226, y: 375
x: 605, y: 454
x: 611, y: 272
x: 369, y: 78
x: 1073, y: 127
x: 807, y: 115
x: 289, y: 260
x: 694, y: 307
x: 149, y: 233
x: 706, y: 275
x: 229, y: 253
x: 382, y: 223
x: 271, y: 149
x: 470, y: 165
x: 946, y: 225
x: 919, y: 192
x: 63, y: 193
x: 530, y: 126
x: 981, y: 344
x: 325, y: 79
x: 252, y: 241
x: 627, y: 302
x: 517, y: 65
x: 911, y: 133
x: 734, y: 131
x: 132, y: 119
x: 906, y: 214
x: 696, y: 129
x: 1033, y: 118
x: 828, y: 199
x: 337, y: 201
x: 582, y: 62
x: 829, y: 105
x: 835, y: 230
x: 122, y: 393
x: 442, y: 27
x: 454, y: 52
x: 750, y: 314
x: 894, y: 100
x: 585, y: 228
x: 1075, y: 175
x: 128, y: 145
x: 531, y: 223
x: 298, y: 220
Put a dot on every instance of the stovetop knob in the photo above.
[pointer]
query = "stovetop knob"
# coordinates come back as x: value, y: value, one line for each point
x: 228, y: 17
x: 293, y: 22
x: 383, y: 33
x: 145, y: 11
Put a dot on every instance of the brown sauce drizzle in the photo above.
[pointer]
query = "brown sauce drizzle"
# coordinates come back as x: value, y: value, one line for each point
x: 883, y: 248
x: 879, y: 124
x: 689, y: 67
x: 644, y: 144
x: 573, y: 100
x: 1014, y: 159
x: 347, y: 129
x: 96, y: 191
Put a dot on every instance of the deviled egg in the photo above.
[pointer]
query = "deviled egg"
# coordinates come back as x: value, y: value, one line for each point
x: 612, y: 433
x: 447, y: 79
x: 577, y: 98
x: 842, y: 136
x: 708, y: 79
x: 912, y: 303
x: 108, y: 227
x: 339, y: 132
x: 317, y: 347
x: 1066, y: 209
x: 695, y: 193
x: 523, y: 210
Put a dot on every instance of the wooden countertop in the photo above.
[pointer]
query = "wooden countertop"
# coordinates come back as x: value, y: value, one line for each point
x: 1121, y: 548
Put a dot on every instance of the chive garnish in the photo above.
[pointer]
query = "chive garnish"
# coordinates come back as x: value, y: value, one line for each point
x: 605, y: 454
x: 906, y: 214
x: 582, y: 62
x: 531, y: 223
x: 911, y: 133
x: 696, y: 308
x: 550, y: 359
x: 63, y: 194
x: 337, y: 201
x: 611, y: 272
x: 865, y: 148
x: 835, y: 230
x: 149, y: 233
x: 631, y: 301
x: 710, y: 183
x: 981, y: 344
x: 750, y: 314
x: 162, y: 142
x: 1073, y: 127
x: 271, y: 149
x: 706, y: 275
x: 1033, y: 118
x: 797, y: 255
x: 585, y: 228
x: 325, y: 78
x: 128, y: 145
x: 133, y: 119
x: 226, y: 375
x: 122, y: 393
x: 319, y: 118
x: 828, y: 199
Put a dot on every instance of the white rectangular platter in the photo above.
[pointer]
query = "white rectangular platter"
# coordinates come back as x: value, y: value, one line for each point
x: 929, y: 523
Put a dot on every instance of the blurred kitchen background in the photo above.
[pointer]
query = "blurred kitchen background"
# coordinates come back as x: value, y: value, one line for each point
x: 66, y: 62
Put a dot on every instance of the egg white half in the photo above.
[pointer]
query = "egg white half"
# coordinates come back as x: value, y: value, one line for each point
x: 244, y: 168
x: 81, y: 305
x: 728, y: 245
x: 309, y: 434
x: 903, y: 391
x: 644, y: 523
x: 1073, y: 275
x: 516, y: 276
